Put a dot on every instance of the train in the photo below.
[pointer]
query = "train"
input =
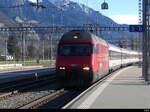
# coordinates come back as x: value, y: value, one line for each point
x: 83, y: 58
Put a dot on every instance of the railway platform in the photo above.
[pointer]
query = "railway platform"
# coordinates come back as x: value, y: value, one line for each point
x: 124, y: 89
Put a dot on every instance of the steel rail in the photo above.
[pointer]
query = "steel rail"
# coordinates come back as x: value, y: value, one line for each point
x: 44, y: 99
x: 27, y: 86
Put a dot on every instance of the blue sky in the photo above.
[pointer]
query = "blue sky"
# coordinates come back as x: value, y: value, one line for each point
x: 116, y: 7
x: 121, y: 11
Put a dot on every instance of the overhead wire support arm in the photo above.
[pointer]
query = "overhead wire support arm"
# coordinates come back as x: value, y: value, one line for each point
x: 15, y: 6
x: 64, y: 28
x: 37, y: 5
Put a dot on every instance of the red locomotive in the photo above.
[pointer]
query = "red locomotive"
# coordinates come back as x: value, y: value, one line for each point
x: 83, y: 58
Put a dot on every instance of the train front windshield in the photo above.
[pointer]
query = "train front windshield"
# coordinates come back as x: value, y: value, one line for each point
x: 75, y: 49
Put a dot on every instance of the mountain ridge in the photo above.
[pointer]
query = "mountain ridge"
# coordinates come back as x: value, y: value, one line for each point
x: 58, y: 13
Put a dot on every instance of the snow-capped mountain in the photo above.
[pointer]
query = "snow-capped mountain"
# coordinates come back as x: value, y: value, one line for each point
x: 59, y: 12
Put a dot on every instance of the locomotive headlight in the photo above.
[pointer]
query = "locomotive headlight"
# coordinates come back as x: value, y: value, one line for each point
x: 86, y: 68
x: 62, y: 68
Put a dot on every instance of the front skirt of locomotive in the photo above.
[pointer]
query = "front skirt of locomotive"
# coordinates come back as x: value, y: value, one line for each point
x: 75, y: 78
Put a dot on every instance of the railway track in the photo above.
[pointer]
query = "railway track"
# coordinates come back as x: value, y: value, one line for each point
x: 39, y: 99
x: 61, y: 97
x: 20, y: 87
x: 45, y: 99
x: 64, y: 100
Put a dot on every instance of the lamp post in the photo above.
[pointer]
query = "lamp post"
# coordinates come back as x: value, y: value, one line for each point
x: 51, y: 50
x: 6, y: 50
x: 97, y: 23
x: 146, y: 40
x: 61, y: 16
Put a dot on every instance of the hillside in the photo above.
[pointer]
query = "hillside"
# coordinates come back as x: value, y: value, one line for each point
x: 73, y: 14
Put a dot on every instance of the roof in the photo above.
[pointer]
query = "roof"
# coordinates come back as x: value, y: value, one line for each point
x: 82, y: 35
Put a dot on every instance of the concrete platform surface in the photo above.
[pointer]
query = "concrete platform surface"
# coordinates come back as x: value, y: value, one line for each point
x: 125, y: 89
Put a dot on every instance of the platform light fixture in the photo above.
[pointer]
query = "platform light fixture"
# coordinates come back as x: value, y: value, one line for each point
x: 104, y: 6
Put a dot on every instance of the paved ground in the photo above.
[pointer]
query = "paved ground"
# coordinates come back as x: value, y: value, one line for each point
x: 125, y: 89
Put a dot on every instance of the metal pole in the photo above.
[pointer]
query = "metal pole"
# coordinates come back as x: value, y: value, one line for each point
x: 143, y: 66
x: 144, y: 72
x: 51, y: 50
x: 61, y: 21
x: 53, y: 23
x: 148, y: 39
x: 43, y: 49
x: 5, y: 50
x: 23, y: 48
x: 22, y: 45
x: 37, y: 3
x: 97, y: 23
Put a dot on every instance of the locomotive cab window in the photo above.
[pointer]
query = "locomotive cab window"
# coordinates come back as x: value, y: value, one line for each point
x: 75, y: 49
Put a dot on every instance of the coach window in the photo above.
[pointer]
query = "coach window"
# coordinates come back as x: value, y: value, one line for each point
x: 98, y: 48
x: 95, y: 49
x: 110, y: 55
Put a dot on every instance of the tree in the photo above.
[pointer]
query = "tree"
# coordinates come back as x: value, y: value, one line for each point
x: 13, y: 48
x: 124, y: 42
x: 1, y: 51
x: 31, y: 51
